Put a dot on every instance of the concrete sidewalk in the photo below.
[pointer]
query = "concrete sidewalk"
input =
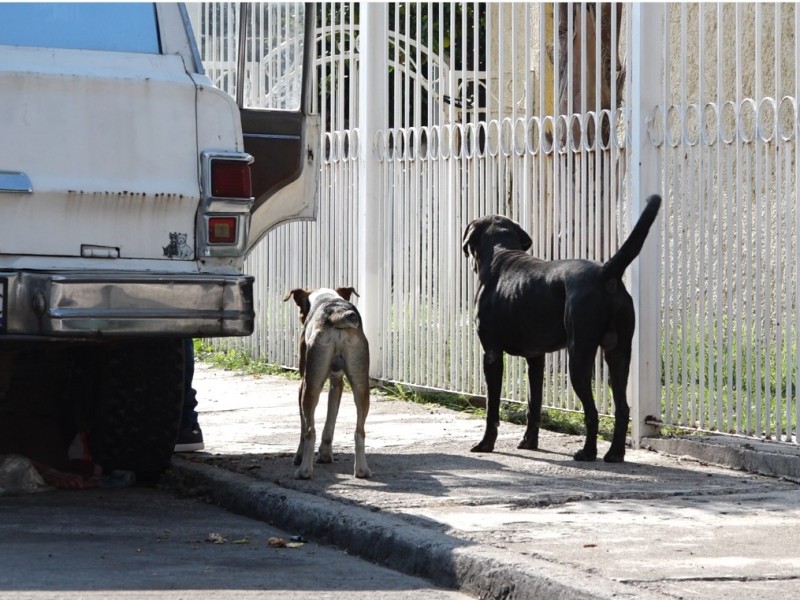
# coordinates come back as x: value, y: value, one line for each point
x: 511, y: 524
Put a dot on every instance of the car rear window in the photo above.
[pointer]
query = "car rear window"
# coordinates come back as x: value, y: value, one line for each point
x: 120, y: 27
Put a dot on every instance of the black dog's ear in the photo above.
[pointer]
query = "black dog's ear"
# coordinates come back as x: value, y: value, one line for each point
x: 300, y: 297
x: 524, y: 239
x: 346, y: 292
x: 467, y: 238
x: 470, y: 239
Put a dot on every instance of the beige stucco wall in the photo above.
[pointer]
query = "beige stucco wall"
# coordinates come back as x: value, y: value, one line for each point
x: 701, y: 57
x: 730, y: 32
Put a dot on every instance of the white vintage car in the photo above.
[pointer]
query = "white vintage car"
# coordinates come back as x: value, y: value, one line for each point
x: 130, y: 193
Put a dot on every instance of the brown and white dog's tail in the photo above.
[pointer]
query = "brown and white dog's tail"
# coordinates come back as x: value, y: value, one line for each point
x: 616, y: 265
x: 344, y: 319
x: 338, y: 310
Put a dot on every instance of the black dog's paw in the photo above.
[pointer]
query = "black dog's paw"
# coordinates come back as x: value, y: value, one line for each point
x: 584, y: 456
x: 614, y: 457
x: 483, y: 446
x: 529, y: 443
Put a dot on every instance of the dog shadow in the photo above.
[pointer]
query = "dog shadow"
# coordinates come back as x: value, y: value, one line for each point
x: 466, y: 481
x: 425, y: 474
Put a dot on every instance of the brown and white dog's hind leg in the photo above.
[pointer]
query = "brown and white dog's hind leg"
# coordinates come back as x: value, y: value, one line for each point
x: 361, y: 394
x: 308, y: 435
x: 298, y: 456
x: 310, y: 391
x: 334, y: 400
x: 358, y: 375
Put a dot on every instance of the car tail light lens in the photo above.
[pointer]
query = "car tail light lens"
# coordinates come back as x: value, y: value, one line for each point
x: 222, y: 230
x: 230, y: 179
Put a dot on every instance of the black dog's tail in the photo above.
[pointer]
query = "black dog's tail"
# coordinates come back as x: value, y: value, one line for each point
x: 616, y: 265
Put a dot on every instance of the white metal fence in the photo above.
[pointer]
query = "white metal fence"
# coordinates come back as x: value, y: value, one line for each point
x: 562, y: 116
x: 727, y: 131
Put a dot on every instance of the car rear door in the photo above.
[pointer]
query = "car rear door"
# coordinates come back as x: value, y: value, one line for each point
x: 261, y: 54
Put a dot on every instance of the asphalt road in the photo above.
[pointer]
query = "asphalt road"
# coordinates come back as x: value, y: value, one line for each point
x: 147, y: 543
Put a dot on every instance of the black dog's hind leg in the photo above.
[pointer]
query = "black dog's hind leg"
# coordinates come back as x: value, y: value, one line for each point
x: 493, y: 372
x: 530, y: 441
x: 580, y: 374
x: 618, y: 361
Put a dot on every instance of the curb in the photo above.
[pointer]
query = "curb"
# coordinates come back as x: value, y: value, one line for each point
x: 392, y: 542
x: 753, y: 456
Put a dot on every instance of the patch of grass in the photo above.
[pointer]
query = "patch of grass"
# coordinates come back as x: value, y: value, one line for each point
x: 511, y: 412
x: 729, y: 377
x: 236, y: 360
x: 560, y: 421
x: 571, y: 423
x: 458, y: 402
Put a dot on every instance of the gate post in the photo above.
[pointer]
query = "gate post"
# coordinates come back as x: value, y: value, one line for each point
x: 373, y: 74
x: 647, y: 91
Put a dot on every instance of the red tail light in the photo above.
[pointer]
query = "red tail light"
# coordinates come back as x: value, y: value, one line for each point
x: 230, y: 179
x: 222, y: 230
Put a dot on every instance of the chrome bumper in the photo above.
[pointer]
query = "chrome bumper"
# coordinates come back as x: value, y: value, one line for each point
x: 105, y: 304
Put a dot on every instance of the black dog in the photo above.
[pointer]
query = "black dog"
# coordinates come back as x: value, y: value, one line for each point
x: 528, y: 307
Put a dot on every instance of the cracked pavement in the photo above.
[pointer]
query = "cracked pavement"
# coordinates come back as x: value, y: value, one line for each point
x: 513, y: 523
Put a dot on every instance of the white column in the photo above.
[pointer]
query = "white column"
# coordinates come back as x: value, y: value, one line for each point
x: 647, y: 90
x: 373, y: 73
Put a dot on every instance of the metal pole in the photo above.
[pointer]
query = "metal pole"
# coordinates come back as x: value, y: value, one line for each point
x: 373, y: 105
x: 647, y: 82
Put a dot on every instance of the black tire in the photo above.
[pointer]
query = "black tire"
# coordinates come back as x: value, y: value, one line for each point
x: 138, y: 410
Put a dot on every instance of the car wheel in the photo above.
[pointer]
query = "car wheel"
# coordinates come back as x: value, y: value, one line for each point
x: 138, y: 410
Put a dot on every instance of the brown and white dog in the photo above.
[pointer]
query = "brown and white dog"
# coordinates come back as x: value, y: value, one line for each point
x: 332, y: 345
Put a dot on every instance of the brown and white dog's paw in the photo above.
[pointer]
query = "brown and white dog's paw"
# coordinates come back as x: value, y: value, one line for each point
x: 362, y: 472
x: 302, y: 473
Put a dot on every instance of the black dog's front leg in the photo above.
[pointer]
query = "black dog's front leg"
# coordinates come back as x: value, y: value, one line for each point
x: 589, y: 451
x: 535, y: 381
x: 493, y: 372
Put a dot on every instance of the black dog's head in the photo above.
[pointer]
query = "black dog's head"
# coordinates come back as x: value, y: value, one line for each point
x: 485, y: 234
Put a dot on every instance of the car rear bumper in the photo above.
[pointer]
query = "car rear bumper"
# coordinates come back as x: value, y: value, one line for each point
x: 113, y: 304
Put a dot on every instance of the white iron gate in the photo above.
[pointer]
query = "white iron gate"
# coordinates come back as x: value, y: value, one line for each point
x: 565, y: 117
